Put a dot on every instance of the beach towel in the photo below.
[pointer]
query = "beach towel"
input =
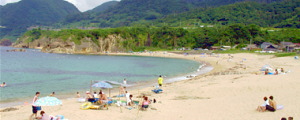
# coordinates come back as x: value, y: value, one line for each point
x: 81, y: 100
x: 86, y: 105
x: 157, y: 90
x: 279, y: 107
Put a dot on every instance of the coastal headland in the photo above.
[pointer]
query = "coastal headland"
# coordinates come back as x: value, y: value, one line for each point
x: 232, y: 90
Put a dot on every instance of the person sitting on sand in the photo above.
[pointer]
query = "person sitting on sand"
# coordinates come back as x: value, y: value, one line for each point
x: 281, y: 70
x: 262, y: 108
x: 272, y: 103
x: 122, y: 90
x: 283, y: 118
x: 95, y: 95
x: 276, y: 72
x: 43, y: 116
x: 128, y: 100
x: 266, y: 71
x: 89, y: 97
x: 77, y: 95
x: 102, y: 98
x: 145, y: 103
x: 131, y: 101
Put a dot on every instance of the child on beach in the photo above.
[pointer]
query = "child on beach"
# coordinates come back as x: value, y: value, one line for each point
x: 145, y: 103
x: 43, y: 116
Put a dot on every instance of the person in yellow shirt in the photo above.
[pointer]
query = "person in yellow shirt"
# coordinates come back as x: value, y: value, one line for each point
x: 160, y: 80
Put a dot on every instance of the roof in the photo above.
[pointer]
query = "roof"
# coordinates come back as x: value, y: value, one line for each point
x: 297, y: 44
x: 286, y: 43
x: 265, y: 44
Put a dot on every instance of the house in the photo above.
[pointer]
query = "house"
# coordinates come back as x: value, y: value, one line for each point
x: 226, y: 47
x: 297, y: 46
x: 287, y: 46
x: 251, y: 47
x: 215, y: 47
x: 266, y: 46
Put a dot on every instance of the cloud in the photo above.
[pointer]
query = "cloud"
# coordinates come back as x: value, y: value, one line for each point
x: 84, y: 5
x: 3, y: 2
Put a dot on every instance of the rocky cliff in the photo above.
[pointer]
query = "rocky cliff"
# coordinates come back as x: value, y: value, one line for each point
x: 111, y: 43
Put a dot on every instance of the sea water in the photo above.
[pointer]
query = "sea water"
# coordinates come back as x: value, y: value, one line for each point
x: 31, y: 71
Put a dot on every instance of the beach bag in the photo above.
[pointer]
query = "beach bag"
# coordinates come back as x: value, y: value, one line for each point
x: 269, y: 108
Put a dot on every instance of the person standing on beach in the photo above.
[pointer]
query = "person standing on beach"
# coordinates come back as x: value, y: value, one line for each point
x: 34, y: 108
x: 124, y: 81
x: 160, y: 80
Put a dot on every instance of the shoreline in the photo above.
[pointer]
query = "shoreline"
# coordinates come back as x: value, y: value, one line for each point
x: 140, y: 85
x: 232, y: 90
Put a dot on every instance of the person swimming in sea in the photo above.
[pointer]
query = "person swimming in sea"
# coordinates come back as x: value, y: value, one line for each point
x: 3, y: 84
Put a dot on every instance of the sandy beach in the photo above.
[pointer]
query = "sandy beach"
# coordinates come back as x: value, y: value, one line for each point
x: 232, y: 90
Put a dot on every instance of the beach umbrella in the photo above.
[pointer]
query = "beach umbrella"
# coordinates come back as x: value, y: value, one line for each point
x: 103, y: 85
x: 47, y: 101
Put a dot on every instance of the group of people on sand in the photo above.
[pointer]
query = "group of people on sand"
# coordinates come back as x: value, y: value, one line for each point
x: 98, y: 98
x: 277, y: 72
x: 268, y: 105
x: 43, y: 115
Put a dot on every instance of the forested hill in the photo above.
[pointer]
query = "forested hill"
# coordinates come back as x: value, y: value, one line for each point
x: 278, y: 14
x: 16, y: 17
x: 128, y: 11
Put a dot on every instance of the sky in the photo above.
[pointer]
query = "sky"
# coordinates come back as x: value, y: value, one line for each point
x: 82, y: 5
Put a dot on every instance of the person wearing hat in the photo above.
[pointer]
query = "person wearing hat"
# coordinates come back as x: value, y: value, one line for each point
x: 89, y: 97
x: 160, y: 80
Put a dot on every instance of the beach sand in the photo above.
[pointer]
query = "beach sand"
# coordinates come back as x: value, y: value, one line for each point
x: 231, y: 91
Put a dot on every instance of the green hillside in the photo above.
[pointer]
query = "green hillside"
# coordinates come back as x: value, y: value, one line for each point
x: 17, y: 17
x: 127, y: 12
x: 278, y: 14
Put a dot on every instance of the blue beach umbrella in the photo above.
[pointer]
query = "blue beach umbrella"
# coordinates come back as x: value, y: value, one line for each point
x: 47, y: 101
x: 103, y: 85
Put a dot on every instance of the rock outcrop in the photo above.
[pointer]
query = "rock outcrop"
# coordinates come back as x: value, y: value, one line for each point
x: 112, y: 43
